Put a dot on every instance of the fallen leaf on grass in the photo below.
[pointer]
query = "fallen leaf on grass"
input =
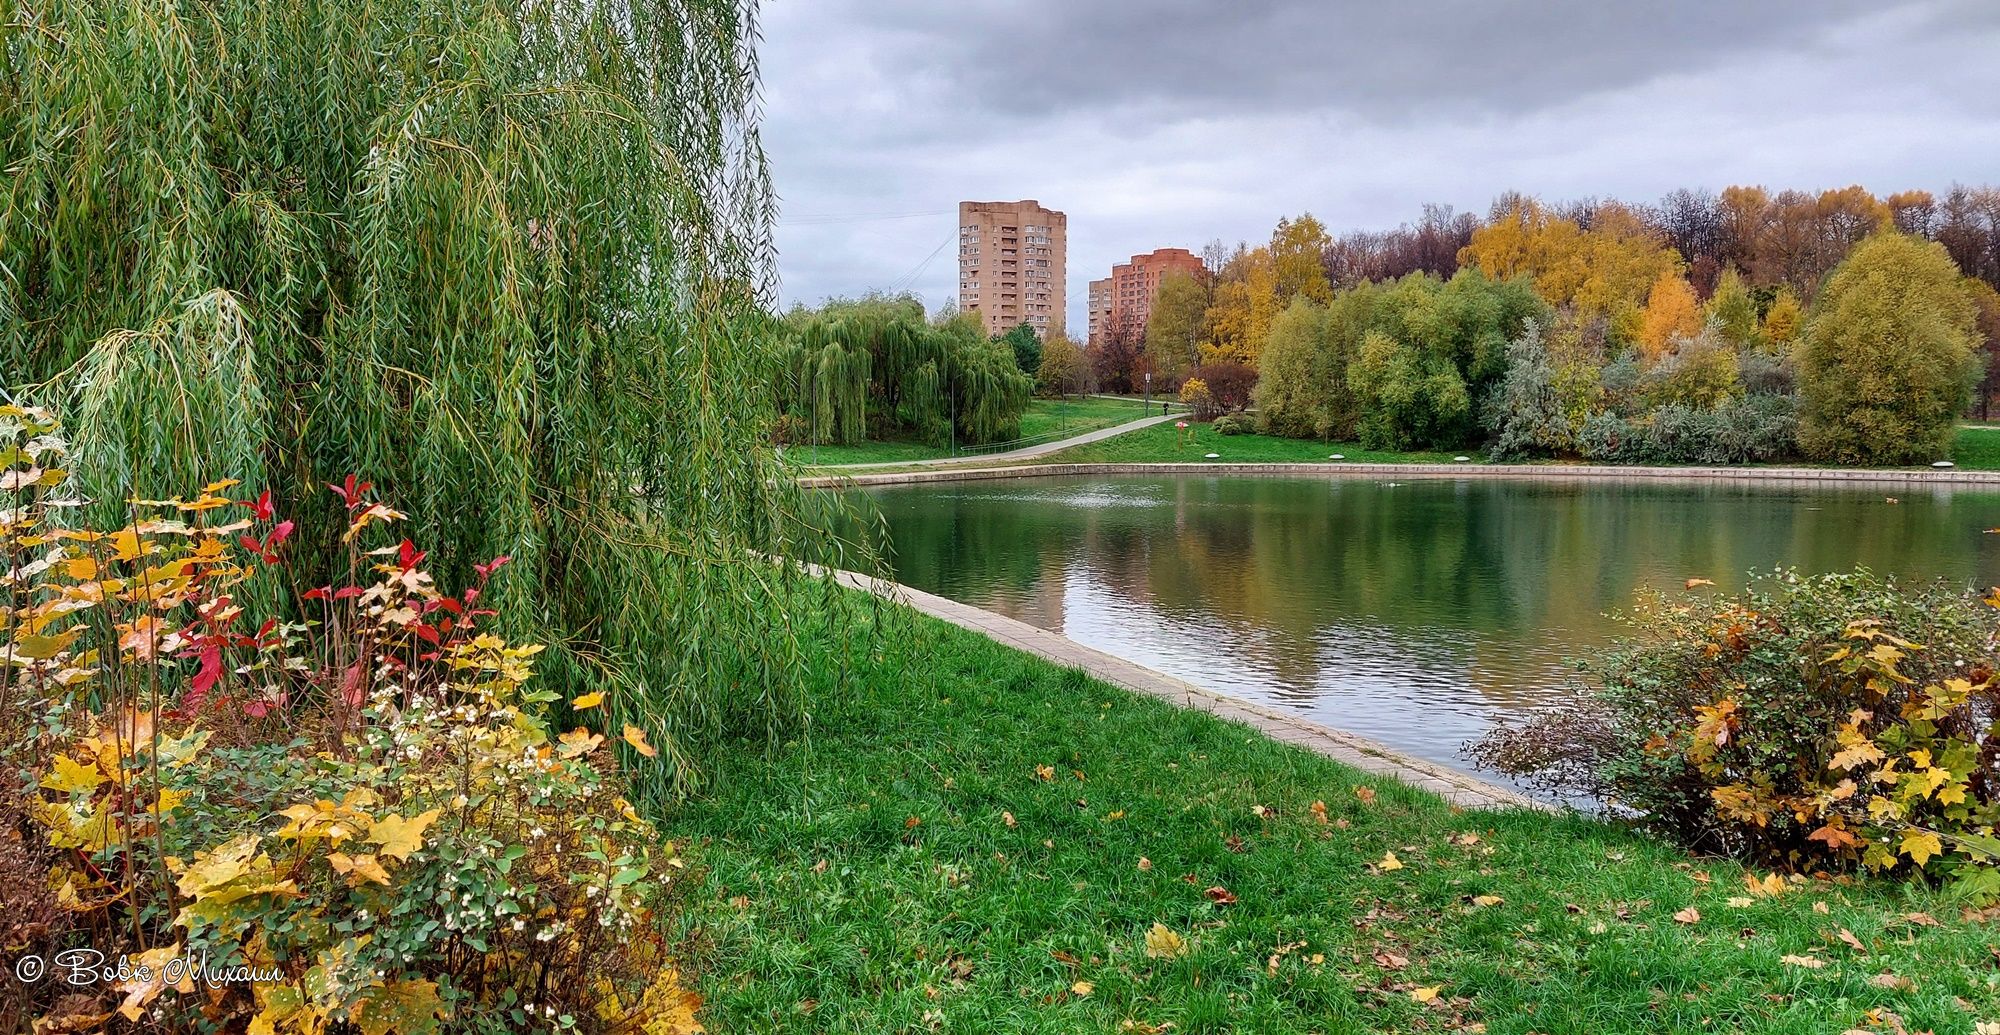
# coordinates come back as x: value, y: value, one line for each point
x: 1045, y: 772
x: 1082, y: 988
x: 1690, y: 915
x: 1261, y: 812
x: 1221, y: 896
x: 820, y: 866
x: 1163, y: 943
x: 1114, y: 816
x: 1852, y: 942
x: 1365, y: 794
x: 1008, y: 818
x: 1741, y: 902
x: 1319, y: 812
x: 1389, y: 862
x: 1145, y: 863
x: 1808, y: 962
x: 1921, y: 920
x: 1893, y: 982
x: 1821, y: 908
x: 1768, y: 887
x: 1282, y: 951
x: 911, y: 823
x: 1986, y: 1028
x: 1390, y: 961
x: 1132, y: 1027
x: 1482, y: 901
x: 1426, y: 994
x: 1235, y: 844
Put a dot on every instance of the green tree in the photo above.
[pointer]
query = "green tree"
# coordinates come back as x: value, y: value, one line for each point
x: 1410, y: 397
x: 1302, y: 375
x: 1886, y: 359
x: 1733, y: 309
x: 505, y: 260
x: 1026, y: 345
x: 1065, y: 370
x: 1177, y: 325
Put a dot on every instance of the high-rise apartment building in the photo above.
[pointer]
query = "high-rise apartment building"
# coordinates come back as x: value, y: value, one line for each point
x: 1011, y: 267
x: 1131, y: 288
x: 1100, y: 310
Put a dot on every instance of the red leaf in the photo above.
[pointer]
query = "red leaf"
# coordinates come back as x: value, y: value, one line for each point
x: 321, y: 593
x: 486, y: 570
x: 408, y: 556
x: 282, y: 531
x: 205, y: 677
x: 429, y: 633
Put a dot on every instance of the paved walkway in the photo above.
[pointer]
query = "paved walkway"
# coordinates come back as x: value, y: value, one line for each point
x: 1024, y: 453
x: 1359, y: 752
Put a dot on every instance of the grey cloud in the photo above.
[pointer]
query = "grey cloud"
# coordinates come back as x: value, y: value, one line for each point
x: 1170, y: 123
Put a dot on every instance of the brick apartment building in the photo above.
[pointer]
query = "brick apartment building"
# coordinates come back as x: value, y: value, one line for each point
x: 1125, y: 299
x: 1011, y: 264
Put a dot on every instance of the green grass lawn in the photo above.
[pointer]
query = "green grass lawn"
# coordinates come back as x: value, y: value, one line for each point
x: 1043, y: 419
x: 1160, y: 444
x: 1977, y: 449
x: 975, y: 841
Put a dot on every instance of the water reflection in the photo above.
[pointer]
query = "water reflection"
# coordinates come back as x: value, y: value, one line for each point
x: 1414, y: 612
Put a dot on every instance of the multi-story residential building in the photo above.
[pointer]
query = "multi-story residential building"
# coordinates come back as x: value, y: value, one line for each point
x: 1100, y: 310
x: 1132, y: 287
x: 1011, y: 264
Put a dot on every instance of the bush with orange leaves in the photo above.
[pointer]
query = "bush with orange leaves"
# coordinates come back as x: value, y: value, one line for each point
x: 351, y: 818
x: 1816, y: 722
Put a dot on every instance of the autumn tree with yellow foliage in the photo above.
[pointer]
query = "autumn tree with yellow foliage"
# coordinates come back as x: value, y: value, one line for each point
x: 1671, y: 314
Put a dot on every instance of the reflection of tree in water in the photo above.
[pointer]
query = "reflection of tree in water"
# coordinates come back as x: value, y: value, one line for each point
x: 1491, y: 582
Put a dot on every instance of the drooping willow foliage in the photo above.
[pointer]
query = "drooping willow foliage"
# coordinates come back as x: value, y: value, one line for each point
x: 875, y: 367
x: 503, y: 259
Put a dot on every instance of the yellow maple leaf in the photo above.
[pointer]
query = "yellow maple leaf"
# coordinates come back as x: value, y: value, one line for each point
x: 1426, y: 993
x: 1163, y: 943
x: 1920, y: 845
x: 637, y: 738
x: 591, y: 700
x: 578, y: 741
x: 358, y: 869
x: 1082, y: 988
x: 69, y: 775
x: 399, y: 836
x: 1389, y: 862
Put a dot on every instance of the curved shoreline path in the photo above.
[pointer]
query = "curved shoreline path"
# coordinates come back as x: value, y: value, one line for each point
x: 1024, y: 453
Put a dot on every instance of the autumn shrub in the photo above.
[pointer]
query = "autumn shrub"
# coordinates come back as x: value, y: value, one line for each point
x: 1887, y: 361
x: 1754, y: 429
x: 1234, y: 424
x: 354, y: 820
x: 1819, y: 722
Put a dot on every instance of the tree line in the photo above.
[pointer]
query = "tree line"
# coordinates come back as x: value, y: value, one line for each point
x: 1704, y: 328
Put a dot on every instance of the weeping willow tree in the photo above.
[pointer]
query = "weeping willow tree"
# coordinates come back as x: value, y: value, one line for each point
x: 853, y: 369
x: 503, y: 259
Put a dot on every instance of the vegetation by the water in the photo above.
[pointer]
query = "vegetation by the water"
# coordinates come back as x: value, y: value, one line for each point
x: 1824, y: 721
x: 1702, y: 330
x: 875, y: 368
x: 504, y: 259
x: 978, y: 841
x: 1044, y: 420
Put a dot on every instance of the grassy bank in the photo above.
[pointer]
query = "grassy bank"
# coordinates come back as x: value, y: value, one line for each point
x: 1162, y: 443
x: 1975, y: 448
x: 976, y: 841
x: 1044, y: 419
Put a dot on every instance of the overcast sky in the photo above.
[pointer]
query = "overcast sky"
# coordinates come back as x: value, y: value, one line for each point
x: 1170, y: 123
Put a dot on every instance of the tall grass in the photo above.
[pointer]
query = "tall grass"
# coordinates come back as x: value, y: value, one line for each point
x: 506, y: 260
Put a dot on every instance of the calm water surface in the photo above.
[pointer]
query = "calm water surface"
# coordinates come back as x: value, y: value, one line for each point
x: 1414, y: 612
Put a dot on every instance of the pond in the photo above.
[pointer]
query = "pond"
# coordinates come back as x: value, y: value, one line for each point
x: 1417, y: 612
